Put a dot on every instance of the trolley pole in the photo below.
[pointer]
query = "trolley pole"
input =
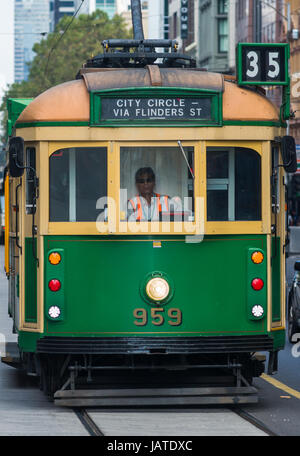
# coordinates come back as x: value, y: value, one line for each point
x: 137, y: 21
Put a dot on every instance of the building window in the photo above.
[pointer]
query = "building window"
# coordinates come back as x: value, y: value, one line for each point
x: 175, y: 25
x: 222, y: 7
x: 222, y: 35
x: 241, y: 9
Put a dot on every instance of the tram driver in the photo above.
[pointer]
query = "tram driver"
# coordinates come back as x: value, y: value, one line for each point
x: 148, y: 205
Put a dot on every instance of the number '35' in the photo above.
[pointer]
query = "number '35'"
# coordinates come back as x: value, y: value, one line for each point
x: 254, y: 64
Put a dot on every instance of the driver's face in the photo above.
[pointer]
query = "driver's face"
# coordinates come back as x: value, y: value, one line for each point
x: 145, y: 185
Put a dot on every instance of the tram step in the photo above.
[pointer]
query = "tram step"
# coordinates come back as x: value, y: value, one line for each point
x: 156, y: 396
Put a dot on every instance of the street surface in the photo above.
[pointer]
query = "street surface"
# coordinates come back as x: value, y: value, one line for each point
x: 25, y: 411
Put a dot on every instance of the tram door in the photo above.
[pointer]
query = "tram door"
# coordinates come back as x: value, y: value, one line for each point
x: 278, y: 236
x: 22, y: 245
x: 29, y: 240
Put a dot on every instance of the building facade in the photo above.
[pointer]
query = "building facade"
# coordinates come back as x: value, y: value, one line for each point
x: 157, y: 22
x: 260, y: 21
x: 32, y: 20
x: 124, y: 9
x: 109, y: 6
x: 213, y: 37
x: 86, y: 7
x: 183, y: 24
x: 294, y: 39
x: 59, y: 9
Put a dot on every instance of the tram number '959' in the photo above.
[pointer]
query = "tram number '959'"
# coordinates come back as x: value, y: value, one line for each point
x: 157, y: 316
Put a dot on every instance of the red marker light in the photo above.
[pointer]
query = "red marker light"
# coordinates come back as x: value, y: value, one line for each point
x: 54, y: 285
x: 257, y: 284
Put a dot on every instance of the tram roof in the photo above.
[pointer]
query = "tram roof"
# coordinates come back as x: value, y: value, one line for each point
x: 70, y: 101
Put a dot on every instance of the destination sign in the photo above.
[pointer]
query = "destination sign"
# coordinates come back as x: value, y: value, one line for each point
x: 156, y: 108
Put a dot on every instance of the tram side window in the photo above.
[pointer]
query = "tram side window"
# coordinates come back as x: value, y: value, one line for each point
x: 233, y: 184
x: 30, y: 190
x: 156, y: 183
x: 78, y: 178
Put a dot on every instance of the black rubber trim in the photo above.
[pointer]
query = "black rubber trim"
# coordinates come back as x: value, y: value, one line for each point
x: 152, y: 345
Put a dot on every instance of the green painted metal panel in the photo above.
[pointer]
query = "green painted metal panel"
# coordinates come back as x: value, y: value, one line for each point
x: 14, y: 107
x: 254, y: 123
x: 103, y: 279
x: 27, y: 341
x: 278, y: 339
x: 30, y: 283
x: 284, y: 47
x: 51, y: 124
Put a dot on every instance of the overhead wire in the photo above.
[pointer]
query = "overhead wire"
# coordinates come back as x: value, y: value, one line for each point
x: 61, y: 37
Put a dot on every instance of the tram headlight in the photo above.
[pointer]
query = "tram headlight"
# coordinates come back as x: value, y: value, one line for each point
x: 54, y: 311
x: 157, y: 289
x: 257, y: 311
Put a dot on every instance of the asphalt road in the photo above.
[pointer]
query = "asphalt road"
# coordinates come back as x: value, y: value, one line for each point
x: 277, y: 407
x: 24, y: 410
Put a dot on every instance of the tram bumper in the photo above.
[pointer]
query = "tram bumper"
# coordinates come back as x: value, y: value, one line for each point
x: 154, y: 345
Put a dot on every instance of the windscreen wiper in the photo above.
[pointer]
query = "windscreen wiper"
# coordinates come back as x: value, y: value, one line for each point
x: 185, y: 157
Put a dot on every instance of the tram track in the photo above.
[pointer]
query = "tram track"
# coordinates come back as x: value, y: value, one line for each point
x: 94, y: 430
x: 88, y: 422
x: 253, y: 420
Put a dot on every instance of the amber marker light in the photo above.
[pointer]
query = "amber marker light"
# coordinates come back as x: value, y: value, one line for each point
x: 54, y: 258
x: 257, y: 257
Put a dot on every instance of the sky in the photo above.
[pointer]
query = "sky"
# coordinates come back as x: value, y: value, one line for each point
x: 6, y: 43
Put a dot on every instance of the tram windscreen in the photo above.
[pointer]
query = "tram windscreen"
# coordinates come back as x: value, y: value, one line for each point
x: 233, y: 184
x: 156, y: 183
x: 78, y: 178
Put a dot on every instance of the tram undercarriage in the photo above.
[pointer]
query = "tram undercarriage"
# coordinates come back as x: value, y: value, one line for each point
x: 88, y: 379
x: 159, y: 378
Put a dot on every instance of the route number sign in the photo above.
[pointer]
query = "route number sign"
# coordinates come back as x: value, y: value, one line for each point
x: 262, y: 64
